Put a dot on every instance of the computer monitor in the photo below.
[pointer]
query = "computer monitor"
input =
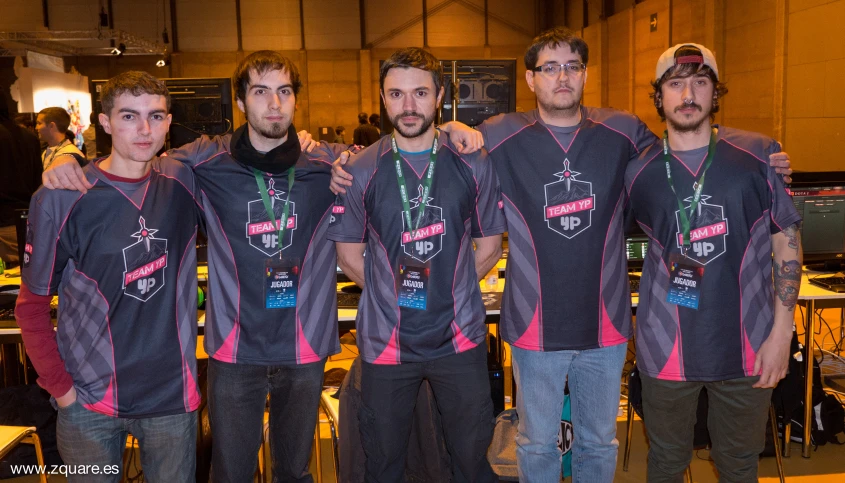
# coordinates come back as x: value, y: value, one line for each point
x: 820, y: 200
x: 636, y: 248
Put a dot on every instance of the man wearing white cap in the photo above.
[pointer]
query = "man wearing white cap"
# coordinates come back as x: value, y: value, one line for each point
x: 721, y: 227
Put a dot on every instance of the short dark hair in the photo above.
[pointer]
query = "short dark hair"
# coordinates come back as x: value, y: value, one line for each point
x: 374, y: 118
x: 552, y: 38
x: 261, y: 62
x: 56, y: 115
x: 362, y: 118
x: 418, y: 59
x: 339, y: 129
x: 134, y: 82
x: 683, y: 71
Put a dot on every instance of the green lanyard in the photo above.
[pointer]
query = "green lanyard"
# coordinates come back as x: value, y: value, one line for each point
x: 699, y: 185
x: 265, y: 197
x: 403, y: 191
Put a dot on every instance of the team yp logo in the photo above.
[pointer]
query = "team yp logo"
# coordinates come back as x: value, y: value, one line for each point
x: 708, y: 229
x: 262, y: 233
x: 569, y: 203
x: 428, y: 240
x: 145, y: 261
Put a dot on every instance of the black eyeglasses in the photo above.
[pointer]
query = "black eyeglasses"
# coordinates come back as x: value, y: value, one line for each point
x: 570, y: 68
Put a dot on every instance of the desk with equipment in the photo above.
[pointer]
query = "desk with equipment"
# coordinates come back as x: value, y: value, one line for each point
x: 819, y: 197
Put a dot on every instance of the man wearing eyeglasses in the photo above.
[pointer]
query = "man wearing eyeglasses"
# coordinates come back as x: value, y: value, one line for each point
x: 566, y: 307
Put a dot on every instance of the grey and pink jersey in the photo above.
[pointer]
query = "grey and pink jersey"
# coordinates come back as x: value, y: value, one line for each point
x: 241, y: 238
x: 463, y: 204
x: 563, y: 191
x: 743, y: 203
x: 122, y: 258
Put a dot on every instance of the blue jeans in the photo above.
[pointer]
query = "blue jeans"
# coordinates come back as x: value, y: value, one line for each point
x: 237, y: 397
x: 168, y: 444
x: 594, y: 383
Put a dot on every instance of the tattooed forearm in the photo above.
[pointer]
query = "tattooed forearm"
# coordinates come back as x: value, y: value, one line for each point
x: 787, y: 282
x: 792, y: 233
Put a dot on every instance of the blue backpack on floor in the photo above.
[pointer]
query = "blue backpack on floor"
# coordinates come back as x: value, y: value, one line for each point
x: 566, y: 435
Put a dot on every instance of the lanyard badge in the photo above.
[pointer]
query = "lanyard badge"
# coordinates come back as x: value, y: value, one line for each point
x: 412, y: 276
x: 281, y: 275
x: 684, y: 276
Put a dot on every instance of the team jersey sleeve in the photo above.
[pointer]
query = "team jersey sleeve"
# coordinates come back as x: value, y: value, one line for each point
x: 489, y: 216
x: 349, y: 216
x: 782, y: 211
x: 197, y: 151
x: 45, y: 251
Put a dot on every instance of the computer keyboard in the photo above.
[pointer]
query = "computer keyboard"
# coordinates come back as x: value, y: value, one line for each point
x: 348, y: 300
x: 634, y: 282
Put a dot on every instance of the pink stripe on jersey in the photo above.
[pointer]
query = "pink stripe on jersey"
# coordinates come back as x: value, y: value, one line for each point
x: 304, y: 352
x: 209, y: 159
x: 390, y: 354
x: 189, y: 388
x: 744, y: 343
x: 111, y: 345
x: 183, y: 185
x: 234, y: 336
x: 617, y: 131
x: 614, y: 336
x: 538, y: 311
x: 107, y: 405
x: 565, y: 149
x: 461, y: 343
x: 512, y: 135
x: 745, y: 150
x: 531, y: 339
x: 673, y: 364
x: 477, y: 215
x: 59, y: 235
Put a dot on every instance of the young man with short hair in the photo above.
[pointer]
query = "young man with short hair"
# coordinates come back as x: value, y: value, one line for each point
x: 271, y: 316
x: 52, y: 124
x: 122, y: 258
x: 721, y: 227
x: 417, y: 207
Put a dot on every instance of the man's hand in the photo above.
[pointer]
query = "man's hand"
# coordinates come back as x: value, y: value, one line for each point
x: 780, y: 161
x: 340, y: 178
x: 68, y: 399
x: 306, y: 142
x: 773, y: 358
x: 65, y: 173
x: 465, y: 138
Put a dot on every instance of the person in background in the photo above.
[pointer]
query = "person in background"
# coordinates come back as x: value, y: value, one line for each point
x: 375, y: 121
x: 338, y: 139
x: 90, y: 137
x: 52, y: 127
x: 20, y: 164
x: 365, y: 134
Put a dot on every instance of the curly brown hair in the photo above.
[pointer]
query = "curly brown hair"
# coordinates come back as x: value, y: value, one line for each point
x: 683, y: 71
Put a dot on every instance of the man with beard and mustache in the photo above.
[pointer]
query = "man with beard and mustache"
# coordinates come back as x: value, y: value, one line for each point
x: 271, y: 316
x: 566, y: 305
x: 421, y: 315
x: 722, y: 227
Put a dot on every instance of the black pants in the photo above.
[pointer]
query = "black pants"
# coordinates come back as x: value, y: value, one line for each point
x: 237, y: 397
x: 461, y: 388
x: 736, y: 420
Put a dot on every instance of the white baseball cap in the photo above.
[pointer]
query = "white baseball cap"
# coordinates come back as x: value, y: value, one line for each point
x: 692, y: 54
